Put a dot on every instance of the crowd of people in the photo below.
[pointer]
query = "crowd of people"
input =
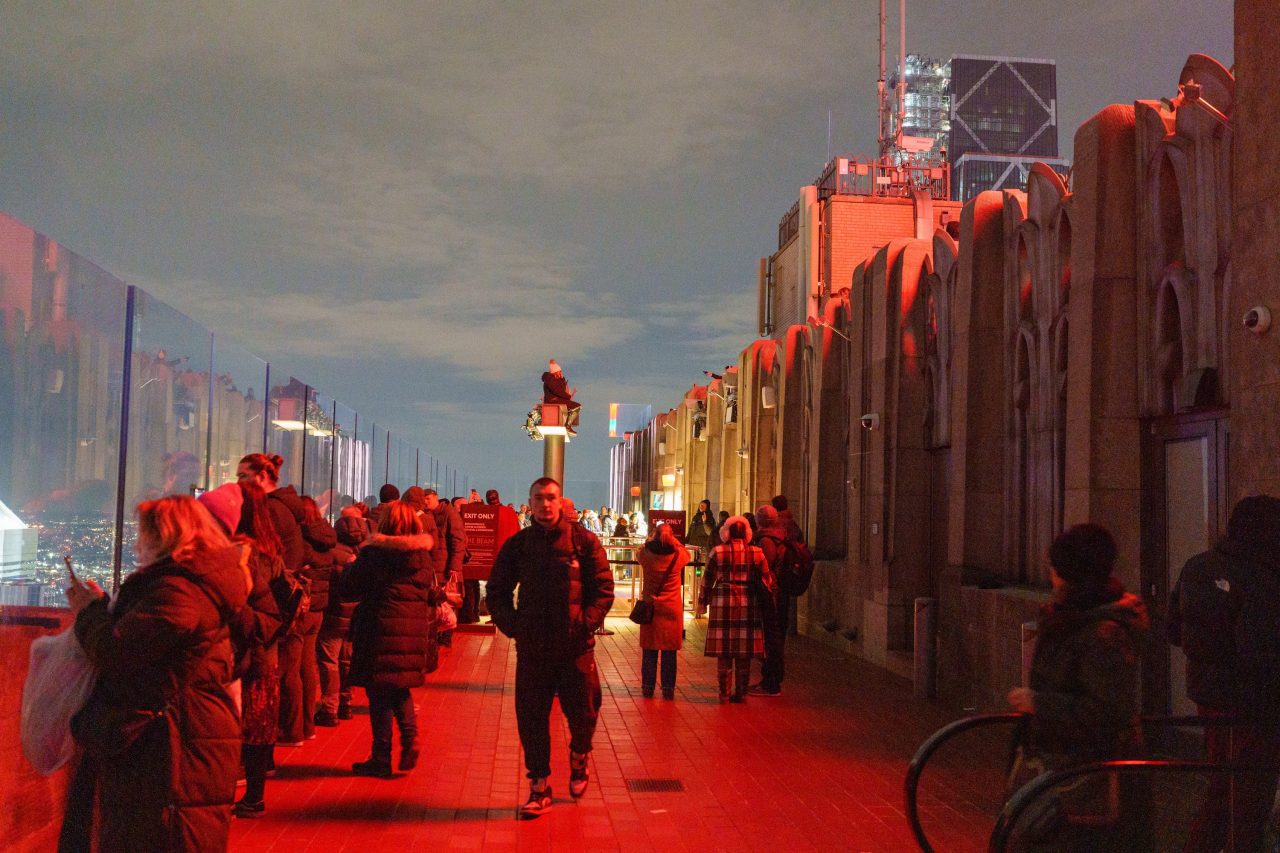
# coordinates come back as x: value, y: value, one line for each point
x: 250, y: 619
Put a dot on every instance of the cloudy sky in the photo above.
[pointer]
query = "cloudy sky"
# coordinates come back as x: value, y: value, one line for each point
x: 413, y: 205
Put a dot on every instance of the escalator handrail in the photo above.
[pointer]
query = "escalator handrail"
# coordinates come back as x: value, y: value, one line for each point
x: 942, y: 735
x: 926, y: 751
x: 1024, y: 796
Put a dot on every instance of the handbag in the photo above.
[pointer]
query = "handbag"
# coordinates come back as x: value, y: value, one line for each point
x: 642, y: 611
x: 60, y: 679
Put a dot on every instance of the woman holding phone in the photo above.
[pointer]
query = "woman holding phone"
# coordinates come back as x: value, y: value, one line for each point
x: 160, y: 732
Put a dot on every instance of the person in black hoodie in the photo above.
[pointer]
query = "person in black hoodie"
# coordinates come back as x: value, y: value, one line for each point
x: 390, y: 631
x: 320, y: 539
x: 1224, y: 615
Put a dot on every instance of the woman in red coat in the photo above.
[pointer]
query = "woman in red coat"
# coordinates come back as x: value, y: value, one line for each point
x: 662, y: 560
x: 393, y: 580
x: 161, y: 729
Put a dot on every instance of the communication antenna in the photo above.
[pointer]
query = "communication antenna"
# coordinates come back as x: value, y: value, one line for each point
x: 890, y: 136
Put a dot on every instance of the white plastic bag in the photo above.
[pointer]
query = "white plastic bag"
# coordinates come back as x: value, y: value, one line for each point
x: 59, y: 681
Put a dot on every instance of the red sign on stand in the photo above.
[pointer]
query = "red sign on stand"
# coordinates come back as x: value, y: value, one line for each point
x: 487, y: 527
x: 672, y: 517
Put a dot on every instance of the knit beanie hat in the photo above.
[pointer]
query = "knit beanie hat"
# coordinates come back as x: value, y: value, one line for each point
x: 766, y: 515
x: 224, y: 504
x: 1083, y: 555
x: 388, y: 493
x: 553, y: 366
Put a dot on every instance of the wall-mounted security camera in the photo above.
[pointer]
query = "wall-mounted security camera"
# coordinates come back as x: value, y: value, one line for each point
x: 1257, y: 319
x: 870, y: 421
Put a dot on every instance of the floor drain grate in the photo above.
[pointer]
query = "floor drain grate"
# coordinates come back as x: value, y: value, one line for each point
x: 652, y: 786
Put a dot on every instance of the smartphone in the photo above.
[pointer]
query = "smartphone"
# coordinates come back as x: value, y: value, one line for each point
x: 66, y: 558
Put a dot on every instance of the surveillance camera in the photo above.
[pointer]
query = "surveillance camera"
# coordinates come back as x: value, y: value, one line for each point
x: 1258, y: 319
x: 870, y: 421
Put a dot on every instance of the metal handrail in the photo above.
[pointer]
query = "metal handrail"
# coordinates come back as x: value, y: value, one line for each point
x: 926, y: 750
x: 1027, y: 794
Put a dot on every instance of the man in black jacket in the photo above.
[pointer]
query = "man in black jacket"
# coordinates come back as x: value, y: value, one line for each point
x: 566, y: 590
x: 1223, y: 614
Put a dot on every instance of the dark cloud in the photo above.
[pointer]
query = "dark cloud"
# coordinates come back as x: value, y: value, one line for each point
x: 441, y: 195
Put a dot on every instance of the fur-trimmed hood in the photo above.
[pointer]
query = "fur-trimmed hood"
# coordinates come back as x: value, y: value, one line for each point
x: 729, y: 522
x: 417, y: 542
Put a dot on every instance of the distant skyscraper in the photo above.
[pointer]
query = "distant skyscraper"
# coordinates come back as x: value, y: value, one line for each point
x: 927, y: 101
x: 1004, y: 118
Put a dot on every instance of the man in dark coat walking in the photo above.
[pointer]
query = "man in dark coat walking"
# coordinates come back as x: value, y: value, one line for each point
x: 775, y: 610
x: 566, y: 590
x: 1223, y: 614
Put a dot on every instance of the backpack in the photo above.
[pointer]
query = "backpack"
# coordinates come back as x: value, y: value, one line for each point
x: 796, y: 570
x: 292, y: 592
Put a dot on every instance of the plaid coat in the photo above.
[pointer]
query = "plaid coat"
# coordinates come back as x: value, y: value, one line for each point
x: 735, y: 576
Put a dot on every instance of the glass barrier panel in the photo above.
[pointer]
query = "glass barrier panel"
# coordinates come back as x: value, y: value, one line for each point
x: 62, y: 323
x: 285, y: 408
x: 318, y: 478
x: 350, y: 460
x: 239, y: 408
x: 168, y: 443
x: 381, y: 473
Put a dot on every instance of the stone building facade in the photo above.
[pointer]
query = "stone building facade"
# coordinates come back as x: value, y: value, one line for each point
x: 939, y: 400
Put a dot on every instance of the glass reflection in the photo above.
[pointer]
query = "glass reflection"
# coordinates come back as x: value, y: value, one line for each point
x: 239, y: 407
x: 61, y: 360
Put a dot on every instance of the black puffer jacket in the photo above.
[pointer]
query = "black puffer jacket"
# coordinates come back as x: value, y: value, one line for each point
x: 1224, y: 614
x: 167, y: 644
x: 287, y: 513
x: 320, y: 539
x: 566, y: 589
x: 393, y: 583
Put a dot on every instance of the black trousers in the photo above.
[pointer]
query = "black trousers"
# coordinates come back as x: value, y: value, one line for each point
x: 776, y: 618
x: 538, y: 681
x: 385, y: 704
x: 470, y: 611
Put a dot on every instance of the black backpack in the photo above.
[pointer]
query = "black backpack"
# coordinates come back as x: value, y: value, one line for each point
x: 796, y: 569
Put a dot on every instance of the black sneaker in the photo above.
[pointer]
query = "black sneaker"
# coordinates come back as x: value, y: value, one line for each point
x: 247, y: 809
x: 762, y: 690
x: 578, y: 775
x: 373, y: 767
x: 344, y: 710
x: 408, y: 758
x: 538, y: 803
x: 328, y: 719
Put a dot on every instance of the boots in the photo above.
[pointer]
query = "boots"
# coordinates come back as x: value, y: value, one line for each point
x: 725, y: 676
x: 741, y: 676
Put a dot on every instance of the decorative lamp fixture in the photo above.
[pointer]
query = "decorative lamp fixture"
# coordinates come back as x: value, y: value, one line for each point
x: 668, y: 481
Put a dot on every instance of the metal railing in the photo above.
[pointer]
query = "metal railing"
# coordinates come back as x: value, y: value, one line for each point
x: 1022, y: 799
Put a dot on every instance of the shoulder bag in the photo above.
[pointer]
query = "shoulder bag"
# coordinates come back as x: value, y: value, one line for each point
x: 642, y: 611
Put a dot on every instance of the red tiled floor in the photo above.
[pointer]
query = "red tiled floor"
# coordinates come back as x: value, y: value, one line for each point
x: 820, y: 768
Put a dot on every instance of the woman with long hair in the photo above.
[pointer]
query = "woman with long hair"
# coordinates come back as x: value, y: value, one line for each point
x: 260, y: 677
x: 662, y: 560
x: 287, y: 513
x: 736, y: 574
x: 393, y: 580
x: 160, y: 733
